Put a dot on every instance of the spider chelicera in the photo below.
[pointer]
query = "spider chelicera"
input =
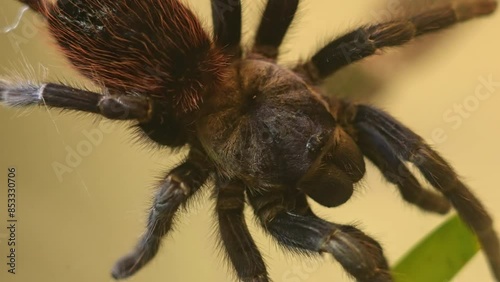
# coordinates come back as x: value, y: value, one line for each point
x: 263, y: 134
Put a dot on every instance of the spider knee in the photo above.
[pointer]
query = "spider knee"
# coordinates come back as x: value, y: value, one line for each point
x: 443, y: 178
x: 126, y: 107
x: 359, y: 254
x: 229, y: 201
x: 267, y: 208
x: 173, y: 192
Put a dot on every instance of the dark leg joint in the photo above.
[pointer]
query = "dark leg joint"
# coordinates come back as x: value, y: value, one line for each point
x: 178, y: 186
x: 226, y: 16
x: 276, y: 20
x: 230, y: 197
x: 359, y: 254
x: 126, y: 107
x: 236, y: 238
x: 380, y: 128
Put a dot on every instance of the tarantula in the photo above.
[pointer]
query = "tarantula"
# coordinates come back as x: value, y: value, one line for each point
x: 264, y: 134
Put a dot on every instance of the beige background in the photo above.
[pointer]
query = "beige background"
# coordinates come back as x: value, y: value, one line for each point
x: 74, y: 229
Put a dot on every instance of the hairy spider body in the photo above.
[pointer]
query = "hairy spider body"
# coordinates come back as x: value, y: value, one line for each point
x: 271, y: 106
x: 169, y: 63
x: 257, y: 130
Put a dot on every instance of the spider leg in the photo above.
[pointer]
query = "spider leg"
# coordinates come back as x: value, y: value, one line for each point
x: 396, y: 172
x: 236, y: 238
x: 301, y: 206
x: 382, y: 131
x: 365, y: 41
x: 177, y: 187
x: 360, y: 255
x: 276, y: 19
x: 226, y: 16
x: 120, y: 107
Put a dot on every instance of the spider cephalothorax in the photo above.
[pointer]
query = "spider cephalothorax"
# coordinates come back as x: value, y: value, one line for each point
x: 261, y: 133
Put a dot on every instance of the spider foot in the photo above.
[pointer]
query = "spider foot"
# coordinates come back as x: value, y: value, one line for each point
x: 133, y: 262
x: 359, y: 254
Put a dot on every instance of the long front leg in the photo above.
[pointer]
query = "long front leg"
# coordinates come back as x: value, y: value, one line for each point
x: 226, y: 17
x: 360, y: 255
x: 236, y: 239
x: 365, y: 41
x: 377, y: 127
x: 177, y: 187
x: 396, y: 172
x: 119, y: 107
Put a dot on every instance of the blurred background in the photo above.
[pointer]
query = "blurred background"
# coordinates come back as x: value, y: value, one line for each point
x: 77, y: 214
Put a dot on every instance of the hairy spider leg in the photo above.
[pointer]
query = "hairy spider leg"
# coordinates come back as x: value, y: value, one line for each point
x: 226, y: 17
x: 174, y: 67
x: 360, y: 255
x: 275, y: 21
x: 65, y: 97
x: 236, y: 240
x: 300, y: 204
x: 177, y: 188
x: 395, y: 171
x: 380, y: 130
x: 366, y: 40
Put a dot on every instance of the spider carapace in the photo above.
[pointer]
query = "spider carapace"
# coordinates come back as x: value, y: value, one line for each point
x: 262, y: 134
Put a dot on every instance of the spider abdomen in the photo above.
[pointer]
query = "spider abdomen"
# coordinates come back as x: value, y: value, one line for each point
x: 131, y: 46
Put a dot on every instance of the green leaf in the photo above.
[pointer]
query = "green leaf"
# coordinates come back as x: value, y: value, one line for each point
x: 439, y: 256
